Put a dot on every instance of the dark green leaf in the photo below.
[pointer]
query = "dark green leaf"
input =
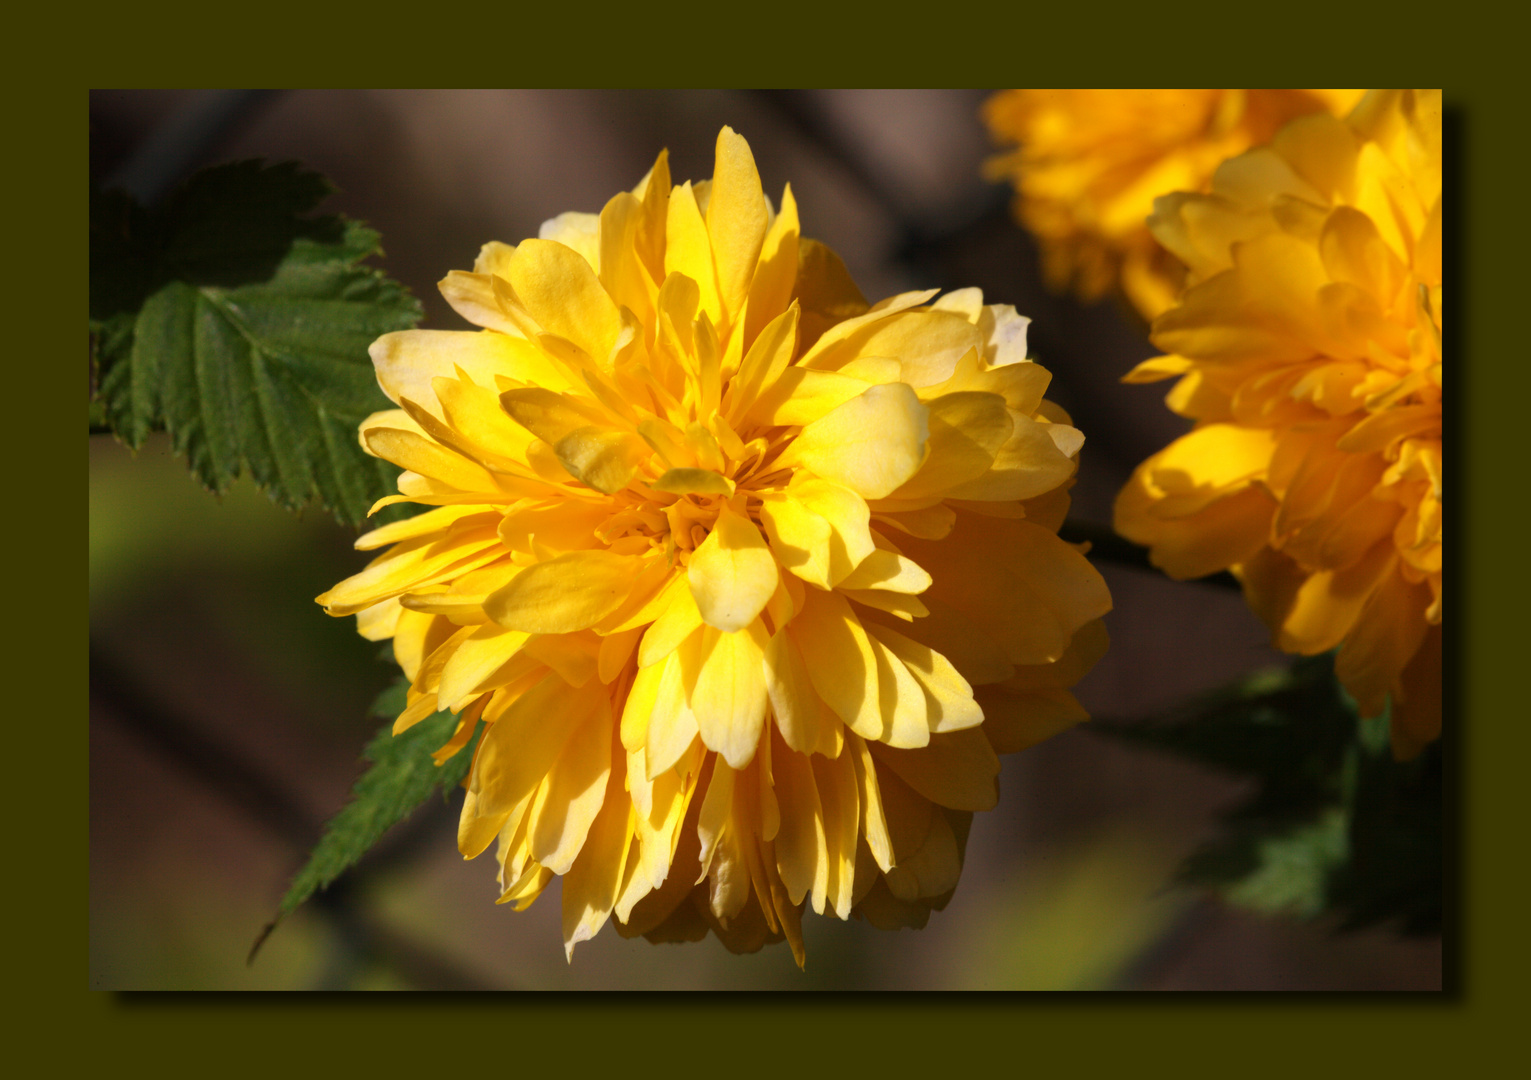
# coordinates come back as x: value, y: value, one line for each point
x: 402, y: 776
x: 240, y: 325
x: 1334, y: 824
x: 1394, y: 873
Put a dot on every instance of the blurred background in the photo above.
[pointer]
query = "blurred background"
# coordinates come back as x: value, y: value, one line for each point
x: 228, y: 712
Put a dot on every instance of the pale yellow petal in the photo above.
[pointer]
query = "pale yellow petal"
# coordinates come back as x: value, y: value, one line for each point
x: 794, y: 702
x: 801, y: 853
x: 672, y: 724
x: 871, y: 444
x: 844, y: 668
x: 732, y: 574
x: 729, y: 697
x: 835, y: 779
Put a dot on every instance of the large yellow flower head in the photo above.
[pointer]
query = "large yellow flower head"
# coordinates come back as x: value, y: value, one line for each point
x: 1309, y: 348
x: 1091, y: 163
x: 748, y: 581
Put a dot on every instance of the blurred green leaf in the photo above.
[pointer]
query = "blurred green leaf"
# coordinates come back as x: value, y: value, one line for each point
x: 1395, y: 869
x: 240, y: 324
x: 402, y: 776
x: 1334, y: 824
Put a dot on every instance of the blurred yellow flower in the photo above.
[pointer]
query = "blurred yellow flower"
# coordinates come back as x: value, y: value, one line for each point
x: 1308, y: 345
x: 1091, y: 162
x: 749, y: 581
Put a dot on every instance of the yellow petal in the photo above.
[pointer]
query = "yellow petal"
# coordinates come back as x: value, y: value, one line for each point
x: 430, y: 459
x: 736, y: 219
x: 407, y: 361
x: 967, y: 431
x: 850, y: 539
x: 1227, y: 532
x: 560, y: 289
x: 839, y: 801
x: 1157, y: 368
x: 638, y: 707
x: 688, y: 249
x: 874, y: 825
x: 516, y: 751
x: 846, y: 328
x: 493, y: 258
x: 677, y: 620
x: 550, y: 416
x: 844, y: 668
x: 601, y: 457
x: 565, y: 594
x: 871, y: 444
x: 950, y: 696
x: 432, y: 521
x: 475, y: 660
x: 732, y: 573
x: 572, y: 229
x: 794, y: 702
x: 775, y: 272
x: 729, y: 697
x: 889, y: 571
x: 573, y: 656
x: 1017, y: 584
x: 800, y: 396
x: 591, y: 886
x: 1211, y: 461
x: 928, y: 345
x: 1033, y: 461
x: 473, y: 297
x: 930, y: 870
x: 958, y: 769
x: 574, y: 795
x: 768, y: 357
x: 411, y: 565
x: 694, y: 482
x: 1328, y: 604
x: 616, y: 650
x: 672, y: 724
x: 800, y: 538
x: 716, y: 806
x: 1014, y: 720
x: 801, y: 855
x: 378, y: 622
x: 901, y: 700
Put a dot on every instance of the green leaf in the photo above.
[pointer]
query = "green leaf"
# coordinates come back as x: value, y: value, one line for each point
x: 1394, y: 874
x: 1333, y: 824
x: 403, y: 775
x: 1291, y: 870
x: 237, y: 322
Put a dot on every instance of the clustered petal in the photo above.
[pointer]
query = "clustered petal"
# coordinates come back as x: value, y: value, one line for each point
x: 1308, y: 350
x: 1091, y: 162
x: 748, y: 581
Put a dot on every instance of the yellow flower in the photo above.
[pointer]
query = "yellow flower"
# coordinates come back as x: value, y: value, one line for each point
x: 1091, y: 162
x: 749, y: 581
x: 1309, y: 353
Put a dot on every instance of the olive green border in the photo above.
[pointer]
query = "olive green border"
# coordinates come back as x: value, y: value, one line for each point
x: 1251, y: 1034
